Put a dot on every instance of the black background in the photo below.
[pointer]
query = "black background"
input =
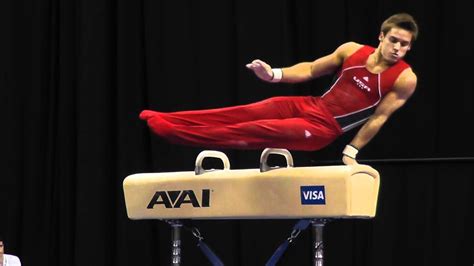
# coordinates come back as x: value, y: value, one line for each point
x: 76, y: 74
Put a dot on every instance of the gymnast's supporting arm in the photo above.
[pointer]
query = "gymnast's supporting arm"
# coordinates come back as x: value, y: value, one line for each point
x: 303, y: 71
x: 403, y: 89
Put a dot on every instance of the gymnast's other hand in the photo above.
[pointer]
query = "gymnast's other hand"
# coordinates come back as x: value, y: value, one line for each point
x: 349, y: 154
x: 261, y: 69
x: 348, y: 160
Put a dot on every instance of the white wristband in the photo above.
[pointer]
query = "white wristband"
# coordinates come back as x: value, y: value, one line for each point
x: 350, y: 151
x: 277, y: 75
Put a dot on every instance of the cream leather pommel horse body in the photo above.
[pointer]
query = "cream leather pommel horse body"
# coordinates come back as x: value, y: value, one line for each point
x: 314, y: 194
x: 265, y: 193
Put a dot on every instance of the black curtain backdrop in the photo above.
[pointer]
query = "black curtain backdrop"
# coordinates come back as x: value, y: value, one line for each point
x: 75, y: 74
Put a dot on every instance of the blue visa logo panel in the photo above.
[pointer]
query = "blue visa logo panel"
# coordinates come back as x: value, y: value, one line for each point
x: 313, y: 195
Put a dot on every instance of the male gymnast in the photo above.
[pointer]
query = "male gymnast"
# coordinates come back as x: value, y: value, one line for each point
x: 370, y: 85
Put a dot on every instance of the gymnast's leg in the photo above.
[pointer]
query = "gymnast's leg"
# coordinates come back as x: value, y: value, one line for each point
x: 291, y: 133
x: 272, y: 108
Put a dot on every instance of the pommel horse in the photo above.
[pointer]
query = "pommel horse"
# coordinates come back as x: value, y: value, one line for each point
x: 317, y: 194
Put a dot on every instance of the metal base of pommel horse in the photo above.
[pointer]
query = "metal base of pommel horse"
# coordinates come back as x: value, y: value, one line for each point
x: 313, y: 195
x: 317, y: 228
x: 175, y: 242
x: 176, y: 226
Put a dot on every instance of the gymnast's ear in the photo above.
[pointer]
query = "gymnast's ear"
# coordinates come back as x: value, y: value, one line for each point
x: 381, y: 36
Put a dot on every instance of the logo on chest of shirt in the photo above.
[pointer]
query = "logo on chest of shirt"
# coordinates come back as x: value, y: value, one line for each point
x: 361, y: 84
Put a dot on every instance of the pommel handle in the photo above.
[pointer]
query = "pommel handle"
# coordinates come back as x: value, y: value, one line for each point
x: 264, y: 167
x: 198, y: 170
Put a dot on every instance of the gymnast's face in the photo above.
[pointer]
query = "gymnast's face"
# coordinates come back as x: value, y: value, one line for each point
x: 395, y: 44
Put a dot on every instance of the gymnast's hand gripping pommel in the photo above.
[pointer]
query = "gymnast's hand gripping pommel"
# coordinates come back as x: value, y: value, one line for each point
x: 349, y: 154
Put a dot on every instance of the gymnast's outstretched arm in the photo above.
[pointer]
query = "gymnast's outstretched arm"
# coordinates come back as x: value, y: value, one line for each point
x: 403, y: 89
x: 304, y: 71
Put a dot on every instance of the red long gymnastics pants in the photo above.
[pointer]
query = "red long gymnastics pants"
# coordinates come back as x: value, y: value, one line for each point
x: 294, y: 123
